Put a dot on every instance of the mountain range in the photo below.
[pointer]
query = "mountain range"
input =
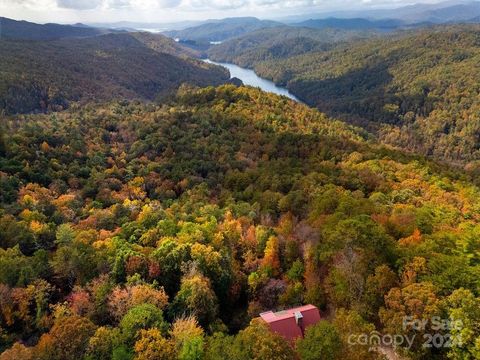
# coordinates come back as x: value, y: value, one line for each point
x: 220, y: 30
x: 12, y: 29
x: 442, y: 12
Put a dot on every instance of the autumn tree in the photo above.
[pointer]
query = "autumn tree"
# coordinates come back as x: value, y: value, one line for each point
x: 257, y: 342
x: 68, y: 339
x: 196, y: 298
x: 151, y: 345
x: 122, y: 299
x: 189, y: 338
x: 403, y: 306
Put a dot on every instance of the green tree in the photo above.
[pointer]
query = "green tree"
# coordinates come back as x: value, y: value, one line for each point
x: 102, y: 343
x: 140, y: 317
x: 321, y: 341
x: 464, y: 313
x: 192, y: 349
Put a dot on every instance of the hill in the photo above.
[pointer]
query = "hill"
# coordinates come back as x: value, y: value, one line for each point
x: 154, y: 231
x: 418, y: 89
x: 449, y: 12
x: 12, y: 29
x: 37, y: 76
x: 439, y: 12
x: 280, y: 42
x: 220, y: 30
x: 352, y: 24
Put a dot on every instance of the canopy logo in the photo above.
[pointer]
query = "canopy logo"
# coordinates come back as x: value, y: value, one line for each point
x: 432, y: 333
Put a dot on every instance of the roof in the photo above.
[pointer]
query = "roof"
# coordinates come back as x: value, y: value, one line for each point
x: 291, y: 323
x: 271, y: 316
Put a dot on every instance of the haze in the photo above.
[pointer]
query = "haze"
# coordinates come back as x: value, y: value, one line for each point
x: 168, y: 11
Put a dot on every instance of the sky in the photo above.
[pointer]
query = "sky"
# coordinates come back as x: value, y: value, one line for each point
x: 168, y: 11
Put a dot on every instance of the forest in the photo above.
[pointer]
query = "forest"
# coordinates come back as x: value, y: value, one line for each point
x: 13, y: 29
x: 39, y: 76
x: 160, y: 231
x: 416, y: 90
x: 281, y: 42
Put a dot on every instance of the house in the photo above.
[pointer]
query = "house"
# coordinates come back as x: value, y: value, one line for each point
x: 292, y: 323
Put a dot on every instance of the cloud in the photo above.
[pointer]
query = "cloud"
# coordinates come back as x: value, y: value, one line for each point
x: 33, y: 4
x: 153, y: 4
x: 217, y: 4
x: 176, y: 10
x: 116, y: 4
x: 79, y: 4
x: 290, y: 3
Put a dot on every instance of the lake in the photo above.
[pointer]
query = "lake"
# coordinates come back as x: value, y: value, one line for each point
x: 250, y: 78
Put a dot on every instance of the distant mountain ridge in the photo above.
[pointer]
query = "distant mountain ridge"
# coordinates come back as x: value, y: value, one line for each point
x: 220, y: 30
x: 443, y: 12
x: 13, y: 29
x: 351, y: 24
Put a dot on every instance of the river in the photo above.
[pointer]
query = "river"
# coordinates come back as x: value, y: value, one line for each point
x: 250, y: 78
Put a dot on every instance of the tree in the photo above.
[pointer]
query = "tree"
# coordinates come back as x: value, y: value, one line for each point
x: 189, y: 338
x: 215, y: 266
x: 65, y: 235
x: 296, y: 271
x: 15, y: 268
x: 464, y: 313
x: 349, y: 323
x: 376, y: 287
x: 14, y: 233
x: 417, y: 301
x: 321, y: 341
x: 18, y: 352
x: 140, y: 317
x: 102, y: 343
x: 185, y: 328
x: 76, y: 263
x: 151, y: 345
x: 123, y: 299
x: 219, y: 347
x: 68, y: 339
x: 192, y: 349
x: 271, y: 259
x: 170, y: 255
x: 196, y: 298
x: 257, y: 342
x: 346, y: 281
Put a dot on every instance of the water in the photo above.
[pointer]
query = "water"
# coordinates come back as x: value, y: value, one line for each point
x: 250, y: 78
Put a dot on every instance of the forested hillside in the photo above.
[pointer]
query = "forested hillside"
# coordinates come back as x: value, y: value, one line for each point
x: 157, y: 232
x: 12, y: 29
x: 418, y: 90
x: 220, y: 30
x: 352, y: 24
x: 38, y: 76
x: 280, y: 43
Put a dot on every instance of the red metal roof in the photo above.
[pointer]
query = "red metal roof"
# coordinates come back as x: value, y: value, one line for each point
x: 291, y: 323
